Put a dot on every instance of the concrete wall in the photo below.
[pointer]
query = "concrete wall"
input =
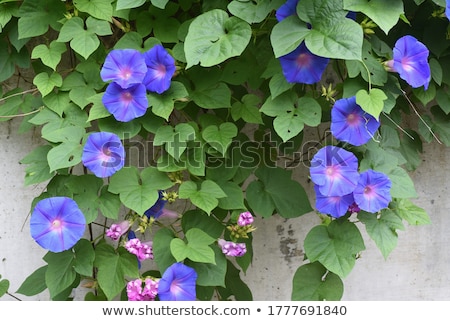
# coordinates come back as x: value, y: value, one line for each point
x: 418, y: 269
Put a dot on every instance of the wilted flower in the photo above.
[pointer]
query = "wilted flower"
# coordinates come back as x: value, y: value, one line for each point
x: 178, y: 283
x: 411, y: 62
x: 373, y: 192
x: 115, y: 231
x: 245, y: 218
x: 350, y: 123
x: 336, y: 206
x: 124, y: 67
x: 302, y: 66
x: 103, y: 154
x: 161, y: 68
x: 232, y: 249
x: 335, y: 171
x: 157, y: 209
x: 57, y: 223
x: 125, y: 103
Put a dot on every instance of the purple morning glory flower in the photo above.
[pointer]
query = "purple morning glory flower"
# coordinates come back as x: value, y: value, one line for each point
x: 124, y: 67
x: 161, y: 68
x: 350, y: 123
x: 373, y: 192
x: 103, y: 154
x: 178, y: 283
x: 157, y: 209
x: 336, y: 206
x: 411, y: 62
x: 125, y: 104
x: 289, y: 8
x: 335, y: 171
x: 447, y: 9
x: 115, y: 231
x: 245, y: 218
x: 57, y: 223
x: 302, y: 66
x: 232, y: 249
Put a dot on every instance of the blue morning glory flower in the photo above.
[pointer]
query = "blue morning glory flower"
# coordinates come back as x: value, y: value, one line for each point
x: 335, y: 171
x: 302, y: 66
x: 350, y: 123
x: 158, y: 208
x: 373, y: 192
x: 125, y: 103
x: 124, y: 67
x: 289, y: 8
x: 447, y: 9
x: 411, y: 62
x: 57, y: 223
x: 178, y: 283
x: 336, y: 206
x: 160, y: 69
x: 103, y: 154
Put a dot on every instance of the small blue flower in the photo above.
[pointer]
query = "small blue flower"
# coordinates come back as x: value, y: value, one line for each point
x: 103, y: 154
x: 335, y: 171
x: 124, y: 67
x: 411, y: 62
x: 302, y: 66
x: 160, y: 69
x: 289, y: 8
x: 158, y: 208
x: 178, y: 283
x: 350, y: 123
x: 336, y: 206
x: 373, y: 192
x: 125, y: 103
x: 57, y: 223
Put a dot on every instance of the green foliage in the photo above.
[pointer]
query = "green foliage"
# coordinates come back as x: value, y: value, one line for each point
x: 231, y: 134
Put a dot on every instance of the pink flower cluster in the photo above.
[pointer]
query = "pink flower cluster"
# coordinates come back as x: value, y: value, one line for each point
x: 142, y: 250
x: 245, y: 218
x: 232, y: 249
x: 117, y: 230
x: 136, y: 292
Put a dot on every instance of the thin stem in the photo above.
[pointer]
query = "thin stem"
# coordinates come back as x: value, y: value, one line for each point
x: 398, y: 126
x: 34, y: 90
x: 25, y: 114
x: 368, y: 75
x: 420, y: 117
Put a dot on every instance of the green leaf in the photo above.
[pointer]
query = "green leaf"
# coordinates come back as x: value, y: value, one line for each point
x: 161, y: 248
x: 436, y: 71
x: 100, y: 9
x: 139, y: 191
x: 376, y: 10
x: 252, y: 11
x: 216, y: 96
x: 247, y: 110
x: 36, y: 16
x: 64, y: 155
x: 335, y: 246
x: 60, y: 273
x: 196, y: 249
x: 276, y: 191
x: 382, y: 229
x: 425, y: 96
x: 402, y: 184
x: 287, y: 35
x: 34, y: 283
x: 50, y: 56
x: 161, y: 4
x: 213, y: 37
x: 220, y: 137
x: 411, y: 213
x: 46, y: 83
x: 278, y: 85
x: 84, y: 256
x: 235, y: 197
x: 175, y: 138
x: 113, y: 268
x: 128, y: 4
x: 163, y: 104
x: 372, y: 102
x: 97, y: 109
x: 109, y: 204
x: 204, y: 198
x: 199, y: 219
x: 4, y: 286
x: 37, y: 170
x: 57, y: 101
x: 311, y: 282
x: 85, y: 189
x: 211, y: 274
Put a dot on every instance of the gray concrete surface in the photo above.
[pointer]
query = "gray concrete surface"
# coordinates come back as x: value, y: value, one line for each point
x: 418, y: 269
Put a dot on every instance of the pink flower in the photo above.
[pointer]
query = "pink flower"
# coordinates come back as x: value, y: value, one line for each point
x: 232, y: 249
x: 143, y: 251
x: 117, y: 230
x: 245, y: 218
x: 150, y: 289
x: 135, y: 292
